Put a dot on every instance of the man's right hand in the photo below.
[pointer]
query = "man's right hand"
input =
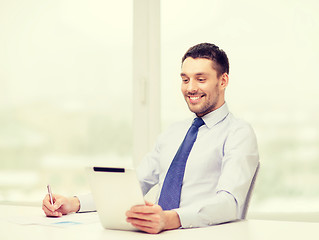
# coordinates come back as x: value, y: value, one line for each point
x: 61, y: 205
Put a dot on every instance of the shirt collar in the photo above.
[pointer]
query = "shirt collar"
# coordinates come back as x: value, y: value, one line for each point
x: 214, y: 117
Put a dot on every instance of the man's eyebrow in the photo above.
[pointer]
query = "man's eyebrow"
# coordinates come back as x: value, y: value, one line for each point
x: 183, y: 74
x: 196, y: 74
x: 201, y: 74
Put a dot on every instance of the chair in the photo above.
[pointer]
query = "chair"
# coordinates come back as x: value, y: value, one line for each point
x: 248, y: 197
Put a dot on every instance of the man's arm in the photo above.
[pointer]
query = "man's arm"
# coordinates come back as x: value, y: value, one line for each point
x: 219, y: 209
x: 152, y: 219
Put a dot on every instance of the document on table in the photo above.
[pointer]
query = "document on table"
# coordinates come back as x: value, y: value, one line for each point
x: 64, y: 221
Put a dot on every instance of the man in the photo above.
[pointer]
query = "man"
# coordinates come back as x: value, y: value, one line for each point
x: 217, y: 170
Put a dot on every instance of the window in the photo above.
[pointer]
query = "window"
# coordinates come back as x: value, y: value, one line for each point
x: 66, y: 88
x: 65, y: 96
x: 273, y: 52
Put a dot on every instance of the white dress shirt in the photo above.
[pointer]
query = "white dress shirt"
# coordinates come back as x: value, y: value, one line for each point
x: 218, y: 172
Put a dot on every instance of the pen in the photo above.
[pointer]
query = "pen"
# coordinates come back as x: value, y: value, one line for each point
x: 50, y: 194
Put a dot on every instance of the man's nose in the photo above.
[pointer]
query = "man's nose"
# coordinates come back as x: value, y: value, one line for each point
x: 192, y: 86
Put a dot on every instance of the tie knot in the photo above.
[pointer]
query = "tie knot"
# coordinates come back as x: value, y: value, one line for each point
x: 198, y: 122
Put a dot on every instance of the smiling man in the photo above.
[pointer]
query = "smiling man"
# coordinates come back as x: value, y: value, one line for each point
x: 203, y: 166
x: 220, y: 164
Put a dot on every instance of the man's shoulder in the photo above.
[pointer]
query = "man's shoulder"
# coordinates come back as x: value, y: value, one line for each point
x: 236, y: 124
x: 236, y: 121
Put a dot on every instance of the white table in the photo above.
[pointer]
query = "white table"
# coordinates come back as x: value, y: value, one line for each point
x: 242, y: 230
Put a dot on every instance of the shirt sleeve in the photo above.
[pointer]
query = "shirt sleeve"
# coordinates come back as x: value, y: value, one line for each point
x: 239, y: 164
x: 148, y: 170
x: 222, y: 208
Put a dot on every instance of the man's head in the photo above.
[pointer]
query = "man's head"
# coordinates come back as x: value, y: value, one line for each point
x: 204, y: 78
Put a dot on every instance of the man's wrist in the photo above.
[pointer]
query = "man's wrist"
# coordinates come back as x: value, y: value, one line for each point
x: 75, y: 203
x: 172, y: 220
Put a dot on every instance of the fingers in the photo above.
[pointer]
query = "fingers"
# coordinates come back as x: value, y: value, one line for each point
x: 146, y: 212
x: 49, y: 209
x: 147, y: 203
x: 58, y: 202
x: 46, y: 202
x: 149, y: 229
x: 146, y: 229
x: 148, y: 208
x: 142, y: 216
x: 140, y: 222
x: 147, y: 218
x: 147, y: 225
x: 50, y: 213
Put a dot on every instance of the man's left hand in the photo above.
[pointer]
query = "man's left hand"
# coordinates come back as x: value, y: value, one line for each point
x: 152, y: 219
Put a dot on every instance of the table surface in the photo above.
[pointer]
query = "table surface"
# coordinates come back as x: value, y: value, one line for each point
x: 245, y: 230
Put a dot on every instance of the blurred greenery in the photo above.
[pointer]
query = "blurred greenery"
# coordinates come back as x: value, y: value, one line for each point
x: 289, y: 158
x: 42, y: 143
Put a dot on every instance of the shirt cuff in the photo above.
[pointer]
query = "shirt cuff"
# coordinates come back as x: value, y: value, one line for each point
x: 86, y: 203
x: 188, y: 217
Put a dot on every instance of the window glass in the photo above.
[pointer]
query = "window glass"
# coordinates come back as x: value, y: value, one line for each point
x: 65, y: 95
x: 273, y: 52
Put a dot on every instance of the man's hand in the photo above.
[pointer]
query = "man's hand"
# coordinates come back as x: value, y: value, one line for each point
x: 61, y: 206
x: 152, y: 219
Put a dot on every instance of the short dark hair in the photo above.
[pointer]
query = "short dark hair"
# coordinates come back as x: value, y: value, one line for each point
x: 212, y: 52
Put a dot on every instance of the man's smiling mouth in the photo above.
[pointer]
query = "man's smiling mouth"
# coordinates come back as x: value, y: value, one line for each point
x: 195, y: 98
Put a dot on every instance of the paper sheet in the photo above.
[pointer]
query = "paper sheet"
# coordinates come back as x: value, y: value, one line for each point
x: 64, y: 221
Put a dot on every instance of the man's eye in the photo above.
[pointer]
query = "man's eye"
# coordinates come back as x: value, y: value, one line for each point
x: 185, y: 80
x: 201, y: 79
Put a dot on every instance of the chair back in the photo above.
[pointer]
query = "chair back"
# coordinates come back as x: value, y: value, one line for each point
x: 248, y: 197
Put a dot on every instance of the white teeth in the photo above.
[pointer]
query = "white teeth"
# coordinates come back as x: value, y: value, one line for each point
x: 194, y: 98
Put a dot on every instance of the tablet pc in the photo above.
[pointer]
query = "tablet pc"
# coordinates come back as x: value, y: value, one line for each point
x: 115, y: 191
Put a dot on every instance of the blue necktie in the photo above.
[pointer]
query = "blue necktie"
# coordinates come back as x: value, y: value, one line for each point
x: 172, y: 186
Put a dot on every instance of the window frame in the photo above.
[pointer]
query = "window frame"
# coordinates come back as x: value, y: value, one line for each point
x: 146, y: 76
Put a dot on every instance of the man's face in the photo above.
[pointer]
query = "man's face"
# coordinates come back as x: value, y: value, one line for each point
x: 202, y: 89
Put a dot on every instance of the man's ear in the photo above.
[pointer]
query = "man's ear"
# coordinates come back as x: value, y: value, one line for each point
x: 224, y: 80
